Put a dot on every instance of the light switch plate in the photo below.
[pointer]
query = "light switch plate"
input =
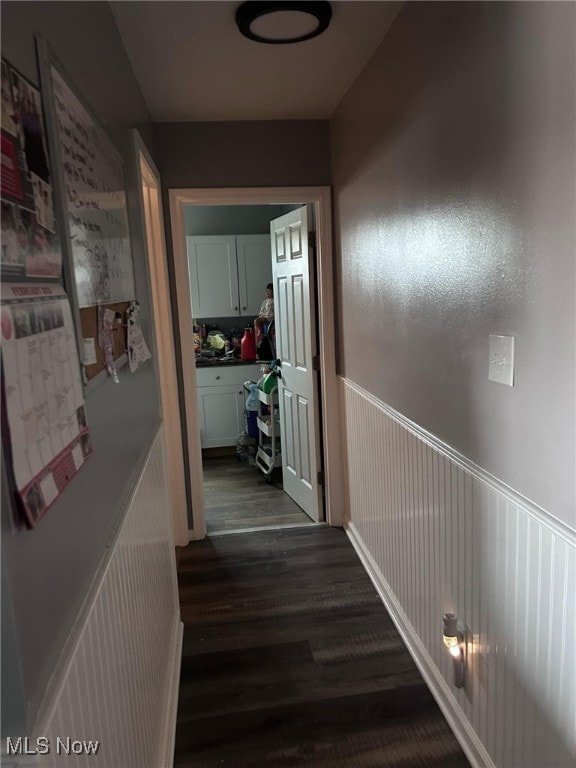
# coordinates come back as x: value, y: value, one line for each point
x: 501, y: 356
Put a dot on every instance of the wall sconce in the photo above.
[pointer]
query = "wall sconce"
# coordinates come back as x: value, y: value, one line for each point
x: 454, y: 640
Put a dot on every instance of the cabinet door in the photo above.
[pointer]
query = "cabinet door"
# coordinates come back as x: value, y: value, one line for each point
x: 213, y: 275
x: 254, y: 271
x: 221, y: 415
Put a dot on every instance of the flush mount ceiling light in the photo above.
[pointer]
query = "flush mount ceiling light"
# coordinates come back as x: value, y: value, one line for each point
x: 279, y: 23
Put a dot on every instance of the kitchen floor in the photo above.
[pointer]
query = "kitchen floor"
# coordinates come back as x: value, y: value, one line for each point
x: 238, y: 497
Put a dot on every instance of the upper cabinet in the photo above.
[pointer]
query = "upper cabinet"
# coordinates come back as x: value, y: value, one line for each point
x: 254, y: 259
x: 228, y: 274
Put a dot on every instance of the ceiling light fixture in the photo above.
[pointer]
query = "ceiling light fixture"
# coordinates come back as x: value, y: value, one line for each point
x: 279, y: 23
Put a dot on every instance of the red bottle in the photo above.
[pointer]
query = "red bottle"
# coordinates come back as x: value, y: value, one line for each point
x: 248, y: 345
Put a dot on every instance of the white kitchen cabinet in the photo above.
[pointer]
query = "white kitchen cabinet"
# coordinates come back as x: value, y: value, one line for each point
x: 221, y: 415
x: 221, y: 402
x: 254, y: 259
x: 228, y: 274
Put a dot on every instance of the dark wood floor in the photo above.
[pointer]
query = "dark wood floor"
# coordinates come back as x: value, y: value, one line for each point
x: 237, y: 496
x: 290, y: 659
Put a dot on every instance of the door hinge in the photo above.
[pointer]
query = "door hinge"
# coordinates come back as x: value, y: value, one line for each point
x: 316, y: 362
x: 320, y: 477
x: 312, y: 239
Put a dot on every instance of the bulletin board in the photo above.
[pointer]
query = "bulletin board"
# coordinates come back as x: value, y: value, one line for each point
x: 89, y: 324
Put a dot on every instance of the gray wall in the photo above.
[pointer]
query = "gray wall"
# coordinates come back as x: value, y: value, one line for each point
x: 453, y: 163
x: 231, y: 219
x: 48, y: 571
x: 265, y: 153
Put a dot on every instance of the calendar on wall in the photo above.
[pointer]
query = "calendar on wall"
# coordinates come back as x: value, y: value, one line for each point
x: 42, y: 393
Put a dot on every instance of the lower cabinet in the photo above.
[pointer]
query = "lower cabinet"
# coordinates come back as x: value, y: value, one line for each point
x: 221, y: 403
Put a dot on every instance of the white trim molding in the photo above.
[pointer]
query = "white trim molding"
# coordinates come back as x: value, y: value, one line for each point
x: 320, y: 198
x: 164, y: 356
x: 437, y: 534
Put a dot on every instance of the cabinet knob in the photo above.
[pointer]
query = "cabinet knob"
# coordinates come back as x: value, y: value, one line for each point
x: 217, y: 377
x: 243, y: 307
x: 236, y: 309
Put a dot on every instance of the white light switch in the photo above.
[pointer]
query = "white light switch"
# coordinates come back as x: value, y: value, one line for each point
x: 501, y: 354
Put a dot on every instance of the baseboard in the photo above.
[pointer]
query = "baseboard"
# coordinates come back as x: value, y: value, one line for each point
x: 467, y: 738
x: 167, y: 755
x: 257, y: 529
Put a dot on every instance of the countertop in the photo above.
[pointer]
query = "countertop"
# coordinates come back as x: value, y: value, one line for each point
x: 222, y: 362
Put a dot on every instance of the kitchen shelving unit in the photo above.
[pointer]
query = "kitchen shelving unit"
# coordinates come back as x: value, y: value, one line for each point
x: 269, y: 455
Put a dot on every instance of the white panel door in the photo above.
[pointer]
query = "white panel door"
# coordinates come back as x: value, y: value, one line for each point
x: 294, y: 312
x: 254, y: 271
x: 213, y: 275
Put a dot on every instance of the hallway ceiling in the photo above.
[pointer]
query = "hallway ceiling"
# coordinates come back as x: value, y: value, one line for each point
x: 192, y: 63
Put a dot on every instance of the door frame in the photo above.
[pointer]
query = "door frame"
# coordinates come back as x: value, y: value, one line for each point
x: 153, y: 232
x: 321, y: 199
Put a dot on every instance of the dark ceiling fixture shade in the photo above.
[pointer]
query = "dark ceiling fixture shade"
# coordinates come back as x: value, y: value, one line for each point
x: 279, y: 23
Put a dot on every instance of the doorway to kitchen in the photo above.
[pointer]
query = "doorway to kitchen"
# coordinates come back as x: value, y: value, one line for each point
x: 181, y: 202
x: 229, y: 259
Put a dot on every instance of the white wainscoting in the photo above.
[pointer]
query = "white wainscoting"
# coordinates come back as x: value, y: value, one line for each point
x: 438, y: 534
x: 119, y: 682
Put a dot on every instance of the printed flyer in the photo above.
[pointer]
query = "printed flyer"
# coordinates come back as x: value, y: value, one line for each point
x: 30, y: 245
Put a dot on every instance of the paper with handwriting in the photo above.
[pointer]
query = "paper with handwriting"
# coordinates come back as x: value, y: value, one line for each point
x: 96, y: 203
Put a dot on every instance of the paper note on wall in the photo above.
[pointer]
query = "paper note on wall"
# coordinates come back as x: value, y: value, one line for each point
x: 138, y: 351
x: 106, y: 323
x: 89, y: 351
